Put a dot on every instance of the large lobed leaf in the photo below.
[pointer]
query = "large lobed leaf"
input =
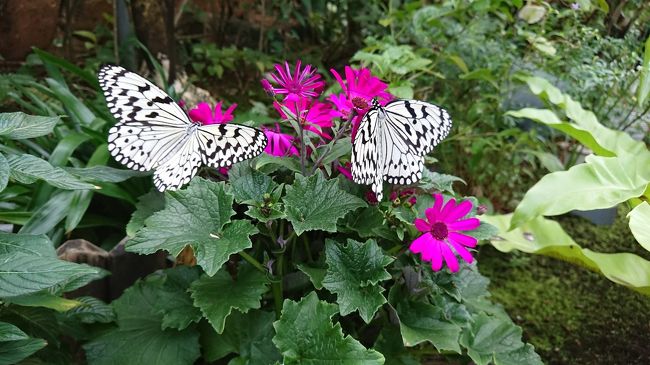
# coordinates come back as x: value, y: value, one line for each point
x: 313, y: 203
x: 640, y: 224
x: 249, y: 185
x: 305, y: 335
x: 354, y: 271
x: 198, y: 216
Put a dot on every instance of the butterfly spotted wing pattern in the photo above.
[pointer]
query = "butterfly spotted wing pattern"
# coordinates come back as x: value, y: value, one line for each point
x: 154, y: 133
x: 392, y: 141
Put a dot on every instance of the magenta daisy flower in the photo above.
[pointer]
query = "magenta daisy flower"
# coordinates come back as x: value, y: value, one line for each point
x: 441, y: 234
x: 345, y: 170
x: 314, y: 115
x: 359, y: 88
x: 205, y: 115
x: 279, y: 144
x: 301, y: 83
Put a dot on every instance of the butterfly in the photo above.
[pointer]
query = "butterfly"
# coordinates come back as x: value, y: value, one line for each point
x: 392, y: 140
x: 154, y: 133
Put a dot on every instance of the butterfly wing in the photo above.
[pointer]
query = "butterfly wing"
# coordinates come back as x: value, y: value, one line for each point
x: 151, y: 127
x: 364, y: 149
x: 224, y: 144
x: 180, y: 168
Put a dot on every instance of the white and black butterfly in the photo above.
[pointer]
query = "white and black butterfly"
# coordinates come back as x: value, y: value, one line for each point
x: 392, y: 140
x: 154, y: 133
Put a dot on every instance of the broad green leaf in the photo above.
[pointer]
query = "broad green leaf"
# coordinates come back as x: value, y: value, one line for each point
x: 269, y: 163
x: 601, y: 182
x: 198, y: 216
x: 313, y: 203
x: 546, y: 237
x: 104, y: 173
x: 315, y: 274
x: 247, y: 334
x: 9, y: 332
x: 643, y: 90
x: 217, y: 296
x: 27, y: 169
x: 532, y: 13
x: 21, y: 126
x: 640, y: 224
x: 91, y: 310
x: 139, y: 338
x: 175, y: 302
x: 432, y: 180
x: 370, y: 222
x: 21, y: 273
x: 391, y: 345
x: 36, y: 245
x: 45, y: 300
x: 354, y: 271
x: 147, y: 205
x: 249, y: 185
x: 524, y: 355
x: 305, y: 335
x: 4, y: 172
x: 420, y: 322
x: 483, y: 232
x: 12, y: 352
x: 616, y: 142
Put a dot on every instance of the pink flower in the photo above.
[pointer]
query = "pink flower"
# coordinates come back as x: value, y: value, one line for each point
x: 205, y: 115
x: 359, y: 88
x: 371, y: 197
x: 346, y: 171
x: 279, y: 144
x: 441, y: 234
x: 305, y: 83
x: 314, y: 115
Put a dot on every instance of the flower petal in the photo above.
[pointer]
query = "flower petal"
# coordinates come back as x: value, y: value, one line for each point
x: 464, y: 225
x: 422, y: 225
x: 463, y: 239
x: 460, y: 211
x: 422, y: 243
x: 448, y: 208
x: 434, y: 212
x: 435, y: 256
x: 461, y: 250
x: 449, y: 257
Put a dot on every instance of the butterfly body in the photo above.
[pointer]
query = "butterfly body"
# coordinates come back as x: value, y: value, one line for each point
x: 154, y: 133
x: 392, y: 140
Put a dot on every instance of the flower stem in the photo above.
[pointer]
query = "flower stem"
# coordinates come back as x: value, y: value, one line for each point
x: 395, y: 249
x: 277, y: 286
x: 251, y: 260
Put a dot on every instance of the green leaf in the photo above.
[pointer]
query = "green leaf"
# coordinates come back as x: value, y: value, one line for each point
x: 269, y: 163
x: 249, y: 335
x: 305, y: 335
x: 77, y: 110
x: 21, y: 273
x: 601, y: 182
x: 249, y: 185
x: 484, y: 232
x: 532, y: 13
x: 12, y: 352
x: 48, y: 215
x: 391, y: 345
x: 91, y: 310
x: 643, y: 90
x: 9, y: 332
x: 45, y: 300
x: 420, y: 322
x: 432, y: 180
x: 147, y: 205
x: 315, y: 274
x: 639, y: 223
x: 37, y: 245
x: 104, y: 173
x: 546, y: 237
x: 21, y: 126
x: 314, y: 203
x: 198, y: 216
x: 4, y: 172
x: 354, y: 272
x: 524, y: 355
x: 139, y: 338
x: 27, y: 169
x: 217, y: 296
x: 369, y: 222
x: 175, y: 302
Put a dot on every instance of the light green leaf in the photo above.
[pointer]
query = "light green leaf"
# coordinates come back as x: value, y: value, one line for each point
x: 104, y: 173
x: 36, y: 245
x: 21, y: 126
x: 12, y: 352
x: 198, y: 216
x: 524, y: 355
x: 217, y: 296
x: 174, y: 300
x: 354, y: 271
x: 531, y: 13
x: 249, y: 185
x: 601, y: 182
x: 139, y: 338
x: 21, y: 273
x: 305, y: 335
x: 45, y: 300
x: 546, y: 237
x: 147, y: 205
x: 483, y: 232
x: 643, y: 90
x: 4, y: 172
x: 640, y: 223
x: 314, y: 203
x: 27, y: 169
x: 420, y: 322
x: 249, y: 335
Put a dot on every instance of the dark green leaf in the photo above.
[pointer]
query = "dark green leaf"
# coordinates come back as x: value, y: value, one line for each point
x: 147, y: 205
x: 369, y: 222
x: 104, y: 173
x: 217, y: 296
x: 9, y: 332
x: 249, y: 185
x: 4, y: 172
x: 432, y: 180
x: 48, y: 215
x: 91, y: 310
x: 391, y: 345
x: 37, y: 245
x: 27, y: 169
x: 305, y: 335
x: 489, y: 336
x: 21, y: 126
x: 175, y: 303
x: 315, y: 274
x: 420, y: 322
x: 353, y: 274
x: 314, y: 203
x: 12, y: 352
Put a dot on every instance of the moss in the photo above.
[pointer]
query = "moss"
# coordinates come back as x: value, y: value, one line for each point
x: 572, y: 315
